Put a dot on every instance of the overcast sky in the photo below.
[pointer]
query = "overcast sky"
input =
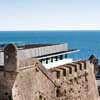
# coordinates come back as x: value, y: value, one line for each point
x: 49, y: 14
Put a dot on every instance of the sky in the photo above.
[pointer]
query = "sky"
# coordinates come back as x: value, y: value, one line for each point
x: 49, y: 15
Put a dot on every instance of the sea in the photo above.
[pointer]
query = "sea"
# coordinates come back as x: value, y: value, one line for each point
x: 88, y: 42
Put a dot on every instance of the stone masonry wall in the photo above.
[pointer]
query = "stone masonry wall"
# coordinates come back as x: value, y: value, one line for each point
x: 33, y: 84
x: 28, y: 80
x: 76, y: 81
x: 7, y: 80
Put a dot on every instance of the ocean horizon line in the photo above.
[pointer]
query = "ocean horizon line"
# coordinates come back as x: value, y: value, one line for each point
x: 42, y: 30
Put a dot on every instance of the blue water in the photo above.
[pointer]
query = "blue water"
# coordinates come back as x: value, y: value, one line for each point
x: 88, y: 42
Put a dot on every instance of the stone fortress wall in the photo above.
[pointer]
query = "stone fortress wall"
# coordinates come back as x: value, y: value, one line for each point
x: 76, y: 80
x: 28, y: 79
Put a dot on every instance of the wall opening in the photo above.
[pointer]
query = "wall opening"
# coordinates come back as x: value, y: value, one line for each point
x: 64, y: 72
x: 58, y: 74
x: 47, y: 60
x: 85, y: 65
x: 75, y: 68
x: 80, y: 67
x: 56, y: 58
x: 40, y: 97
x: 57, y: 92
x: 10, y: 97
x: 41, y: 60
x: 61, y: 57
x: 70, y: 70
x: 51, y: 59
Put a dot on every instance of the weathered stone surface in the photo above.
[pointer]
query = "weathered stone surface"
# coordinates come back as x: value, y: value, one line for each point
x: 10, y: 57
x: 33, y: 82
x: 28, y: 80
x: 77, y: 86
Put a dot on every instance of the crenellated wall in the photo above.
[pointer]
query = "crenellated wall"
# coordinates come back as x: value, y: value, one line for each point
x: 73, y: 81
x: 76, y: 80
x: 28, y: 79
